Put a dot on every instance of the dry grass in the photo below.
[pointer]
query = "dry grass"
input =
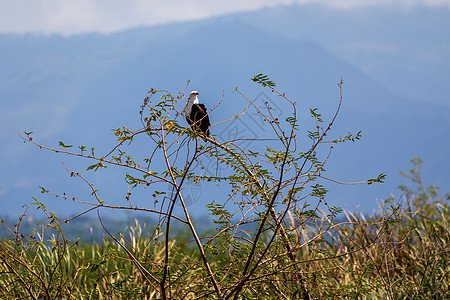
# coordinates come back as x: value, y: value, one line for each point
x: 402, y: 252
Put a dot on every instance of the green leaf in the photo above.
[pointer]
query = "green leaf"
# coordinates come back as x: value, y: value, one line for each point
x: 96, y: 166
x: 379, y: 179
x: 64, y: 146
x: 315, y: 114
x: 264, y: 80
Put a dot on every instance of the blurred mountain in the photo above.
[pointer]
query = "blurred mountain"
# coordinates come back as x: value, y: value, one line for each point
x: 407, y: 50
x: 76, y: 89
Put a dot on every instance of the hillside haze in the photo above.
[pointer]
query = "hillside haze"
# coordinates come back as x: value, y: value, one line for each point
x: 77, y: 89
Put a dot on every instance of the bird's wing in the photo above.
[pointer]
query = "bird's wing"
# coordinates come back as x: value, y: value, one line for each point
x: 204, y: 113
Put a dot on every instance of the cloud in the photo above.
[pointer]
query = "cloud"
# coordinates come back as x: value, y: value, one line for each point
x: 69, y: 17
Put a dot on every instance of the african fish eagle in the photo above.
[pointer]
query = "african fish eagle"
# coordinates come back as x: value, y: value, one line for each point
x: 196, y: 114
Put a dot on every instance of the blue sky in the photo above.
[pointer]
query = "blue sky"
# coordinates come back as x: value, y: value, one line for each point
x: 68, y: 17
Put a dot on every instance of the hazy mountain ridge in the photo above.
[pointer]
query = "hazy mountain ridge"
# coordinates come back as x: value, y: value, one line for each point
x: 397, y: 46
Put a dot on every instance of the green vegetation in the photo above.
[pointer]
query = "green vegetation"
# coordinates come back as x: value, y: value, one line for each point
x: 402, y: 252
x: 275, y: 238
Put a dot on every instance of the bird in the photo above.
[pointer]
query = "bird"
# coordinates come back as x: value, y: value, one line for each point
x: 196, y: 114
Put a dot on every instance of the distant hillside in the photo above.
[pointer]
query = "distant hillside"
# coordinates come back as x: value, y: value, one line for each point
x: 407, y: 50
x: 76, y: 89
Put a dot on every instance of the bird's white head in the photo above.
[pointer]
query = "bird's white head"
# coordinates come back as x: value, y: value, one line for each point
x: 191, y: 101
x: 193, y: 97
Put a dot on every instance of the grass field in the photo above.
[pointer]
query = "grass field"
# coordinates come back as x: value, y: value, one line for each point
x: 402, y: 252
